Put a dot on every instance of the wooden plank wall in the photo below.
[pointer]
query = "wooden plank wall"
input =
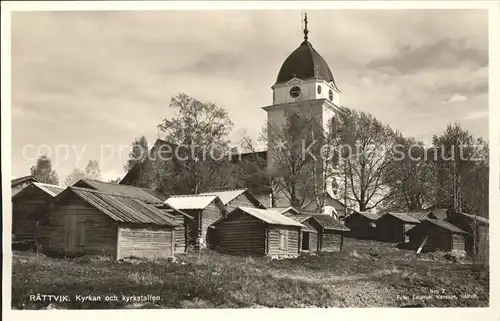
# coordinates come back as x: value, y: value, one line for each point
x: 360, y: 227
x: 145, y: 241
x: 458, y: 242
x: 274, y: 240
x: 241, y: 234
x: 330, y: 241
x: 22, y: 227
x: 209, y: 215
x: 100, y: 231
x: 313, y: 236
x: 180, y: 234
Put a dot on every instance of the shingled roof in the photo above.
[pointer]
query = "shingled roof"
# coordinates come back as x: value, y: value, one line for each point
x: 144, y: 194
x: 226, y: 196
x: 442, y: 224
x: 123, y: 208
x: 329, y: 223
x: 20, y: 180
x: 403, y: 217
x: 369, y: 215
x: 52, y: 190
x: 190, y: 202
x: 267, y: 216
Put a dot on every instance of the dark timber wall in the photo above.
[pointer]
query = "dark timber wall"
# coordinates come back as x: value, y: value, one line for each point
x: 241, y: 234
x: 145, y: 241
x: 76, y: 227
x: 24, y: 204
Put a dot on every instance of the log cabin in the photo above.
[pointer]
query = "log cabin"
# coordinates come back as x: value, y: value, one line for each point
x: 308, y: 238
x: 251, y: 231
x: 237, y: 197
x: 477, y: 239
x: 204, y: 209
x: 17, y: 184
x: 183, y: 228
x: 436, y: 235
x: 331, y: 232
x: 322, y: 233
x: 24, y: 203
x: 82, y: 221
x: 391, y: 226
x: 362, y: 225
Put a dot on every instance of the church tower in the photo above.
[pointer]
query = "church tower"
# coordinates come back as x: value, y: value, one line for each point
x: 305, y: 85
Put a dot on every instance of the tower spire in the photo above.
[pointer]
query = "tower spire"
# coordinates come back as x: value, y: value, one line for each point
x: 305, y: 27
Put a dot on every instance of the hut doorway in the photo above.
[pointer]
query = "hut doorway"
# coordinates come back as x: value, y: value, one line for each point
x: 305, y: 241
x: 75, y: 234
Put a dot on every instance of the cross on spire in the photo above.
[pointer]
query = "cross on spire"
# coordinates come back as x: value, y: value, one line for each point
x: 305, y: 27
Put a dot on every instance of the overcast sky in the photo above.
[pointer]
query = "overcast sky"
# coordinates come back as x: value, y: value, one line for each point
x: 91, y: 79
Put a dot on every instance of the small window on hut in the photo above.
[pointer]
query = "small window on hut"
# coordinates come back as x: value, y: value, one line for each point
x: 283, y: 239
x: 373, y: 224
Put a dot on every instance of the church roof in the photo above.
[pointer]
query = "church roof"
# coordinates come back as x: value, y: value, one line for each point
x: 305, y: 63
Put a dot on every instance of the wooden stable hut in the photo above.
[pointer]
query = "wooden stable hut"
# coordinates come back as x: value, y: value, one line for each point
x: 391, y: 226
x: 436, y: 235
x: 204, y: 209
x: 477, y: 227
x: 362, y: 225
x: 308, y: 238
x: 24, y: 203
x: 251, y: 231
x: 331, y: 232
x: 84, y: 221
x: 183, y: 228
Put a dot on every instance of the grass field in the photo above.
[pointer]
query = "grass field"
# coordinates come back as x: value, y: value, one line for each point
x: 365, y: 274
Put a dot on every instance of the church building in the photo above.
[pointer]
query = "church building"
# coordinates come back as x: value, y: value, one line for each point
x: 304, y: 88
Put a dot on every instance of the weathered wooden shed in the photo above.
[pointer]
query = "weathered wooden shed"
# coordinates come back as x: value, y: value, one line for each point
x: 204, y: 209
x: 24, y: 203
x: 182, y: 230
x: 391, y: 226
x: 308, y: 238
x: 251, y: 231
x: 236, y: 197
x: 331, y: 232
x: 17, y: 184
x: 477, y: 227
x: 87, y: 221
x: 362, y: 225
x: 432, y: 235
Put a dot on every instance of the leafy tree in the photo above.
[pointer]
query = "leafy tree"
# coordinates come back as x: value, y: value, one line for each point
x: 197, y: 132
x: 461, y: 168
x: 43, y: 171
x: 92, y: 170
x: 410, y: 176
x: 74, y: 177
x: 138, y: 153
